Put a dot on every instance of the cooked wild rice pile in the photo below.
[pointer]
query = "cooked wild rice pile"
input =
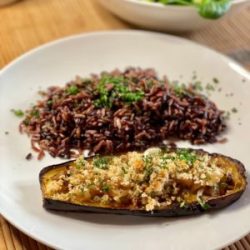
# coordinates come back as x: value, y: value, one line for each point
x: 119, y: 111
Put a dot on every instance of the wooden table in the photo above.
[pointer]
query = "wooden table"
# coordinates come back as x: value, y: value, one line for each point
x: 30, y: 23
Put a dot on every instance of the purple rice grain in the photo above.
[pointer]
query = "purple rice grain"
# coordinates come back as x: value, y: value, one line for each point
x: 69, y: 124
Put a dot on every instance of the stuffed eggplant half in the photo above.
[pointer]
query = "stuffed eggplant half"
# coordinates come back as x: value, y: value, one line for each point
x: 157, y: 182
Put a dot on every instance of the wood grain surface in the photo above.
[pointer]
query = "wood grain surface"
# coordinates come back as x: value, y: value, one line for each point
x: 30, y: 23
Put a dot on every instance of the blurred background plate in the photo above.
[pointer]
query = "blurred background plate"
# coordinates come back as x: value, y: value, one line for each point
x: 156, y: 16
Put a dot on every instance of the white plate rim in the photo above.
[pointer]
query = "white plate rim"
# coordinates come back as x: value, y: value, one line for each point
x: 237, y: 67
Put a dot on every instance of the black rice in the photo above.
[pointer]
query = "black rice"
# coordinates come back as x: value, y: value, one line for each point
x: 70, y: 119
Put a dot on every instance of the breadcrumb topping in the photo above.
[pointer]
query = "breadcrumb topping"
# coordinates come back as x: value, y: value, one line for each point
x: 150, y: 180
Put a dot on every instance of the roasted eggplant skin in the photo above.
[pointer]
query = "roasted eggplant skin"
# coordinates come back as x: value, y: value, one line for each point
x: 171, y: 211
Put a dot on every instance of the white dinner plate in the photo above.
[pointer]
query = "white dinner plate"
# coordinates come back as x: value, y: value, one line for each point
x: 58, y: 62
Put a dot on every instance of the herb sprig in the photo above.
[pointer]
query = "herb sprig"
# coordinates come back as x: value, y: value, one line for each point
x: 148, y: 166
x: 109, y: 88
x: 17, y: 112
x: 186, y: 155
x: 202, y: 203
x: 182, y: 154
x: 72, y: 90
x: 101, y: 162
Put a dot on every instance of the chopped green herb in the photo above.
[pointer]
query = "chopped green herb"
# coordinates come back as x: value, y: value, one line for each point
x: 26, y: 122
x: 210, y: 87
x: 72, y: 90
x: 80, y: 163
x: 101, y: 162
x: 148, y: 172
x: 215, y: 80
x: 202, y: 203
x: 194, y: 77
x: 234, y: 110
x: 17, y: 112
x: 149, y: 84
x: 164, y: 160
x: 124, y: 170
x: 86, y: 81
x: 109, y: 88
x: 148, y: 161
x: 49, y: 102
x: 187, y: 155
x: 197, y: 86
x: 35, y: 112
x: 179, y: 89
x: 226, y: 115
x: 183, y: 204
x: 105, y: 188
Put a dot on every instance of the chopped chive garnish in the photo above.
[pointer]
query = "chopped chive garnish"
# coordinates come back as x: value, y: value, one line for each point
x: 101, y: 162
x: 35, y: 113
x: 105, y: 188
x: 186, y: 155
x: 124, y: 170
x: 72, y: 90
x: 215, y: 80
x: 182, y: 204
x: 148, y: 161
x: 17, y: 112
x: 49, y: 102
x: 80, y: 163
x: 179, y: 89
x: 234, y: 110
x: 109, y: 88
x: 197, y: 86
x: 210, y: 87
x: 202, y: 203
